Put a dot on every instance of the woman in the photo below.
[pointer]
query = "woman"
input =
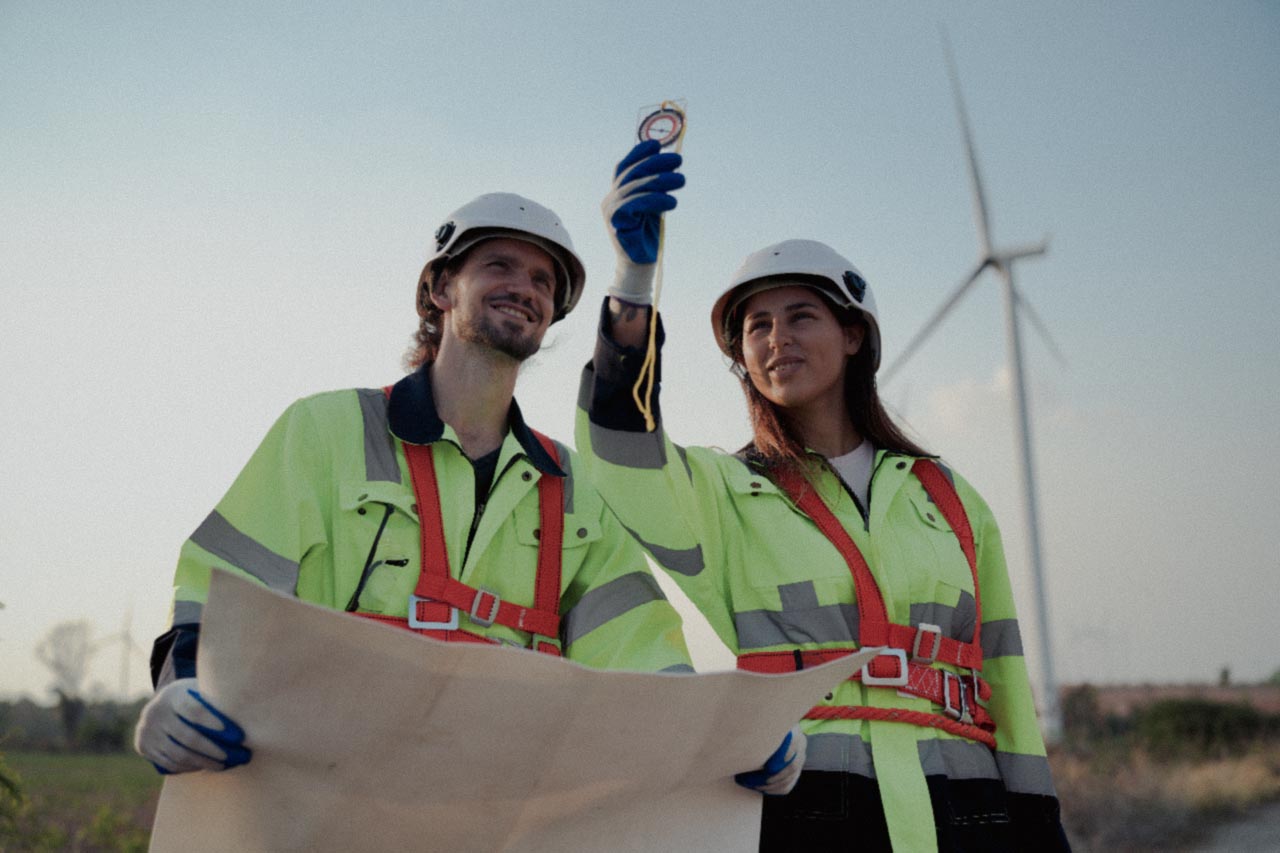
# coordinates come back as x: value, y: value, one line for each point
x: 830, y: 531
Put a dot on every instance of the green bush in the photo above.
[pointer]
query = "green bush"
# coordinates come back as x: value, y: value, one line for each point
x: 13, y: 800
x: 1198, y: 727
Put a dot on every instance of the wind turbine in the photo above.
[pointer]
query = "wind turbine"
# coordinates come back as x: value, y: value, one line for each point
x: 1001, y: 260
x: 127, y: 648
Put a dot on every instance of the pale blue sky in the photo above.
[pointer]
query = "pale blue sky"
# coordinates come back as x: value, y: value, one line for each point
x: 209, y: 212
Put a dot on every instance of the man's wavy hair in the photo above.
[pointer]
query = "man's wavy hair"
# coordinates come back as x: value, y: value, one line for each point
x: 426, y: 340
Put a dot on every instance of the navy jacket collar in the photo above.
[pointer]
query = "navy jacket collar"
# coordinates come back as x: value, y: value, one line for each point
x: 412, y: 415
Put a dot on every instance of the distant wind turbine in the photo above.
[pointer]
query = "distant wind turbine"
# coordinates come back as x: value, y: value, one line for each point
x: 1002, y: 261
x: 127, y: 648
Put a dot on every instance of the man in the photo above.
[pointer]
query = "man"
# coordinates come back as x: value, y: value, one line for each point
x: 429, y: 505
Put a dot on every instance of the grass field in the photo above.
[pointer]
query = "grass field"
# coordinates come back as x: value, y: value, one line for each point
x: 81, y: 802
x: 1121, y: 800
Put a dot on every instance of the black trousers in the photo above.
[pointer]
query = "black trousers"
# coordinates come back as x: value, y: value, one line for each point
x: 841, y: 811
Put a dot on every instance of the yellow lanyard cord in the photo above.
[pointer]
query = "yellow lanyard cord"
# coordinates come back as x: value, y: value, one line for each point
x: 648, y: 367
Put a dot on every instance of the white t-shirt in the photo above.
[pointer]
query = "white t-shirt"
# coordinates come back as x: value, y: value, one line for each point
x: 854, y: 469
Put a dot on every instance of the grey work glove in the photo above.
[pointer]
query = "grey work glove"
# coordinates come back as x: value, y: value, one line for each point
x: 633, y: 212
x: 782, y: 769
x: 179, y: 731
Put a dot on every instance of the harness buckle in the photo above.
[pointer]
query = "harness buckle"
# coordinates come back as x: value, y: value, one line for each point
x: 958, y: 711
x: 922, y: 630
x: 490, y: 611
x: 451, y: 624
x: 899, y: 680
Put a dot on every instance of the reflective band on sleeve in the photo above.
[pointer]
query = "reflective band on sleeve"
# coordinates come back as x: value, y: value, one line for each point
x: 629, y: 449
x: 216, y: 535
x: 831, y: 623
x: 1025, y: 774
x: 957, y: 759
x: 607, y: 602
x: 379, y: 445
x: 1001, y: 638
x: 684, y: 459
x: 839, y: 753
x: 186, y: 612
x: 680, y: 667
x: 686, y: 562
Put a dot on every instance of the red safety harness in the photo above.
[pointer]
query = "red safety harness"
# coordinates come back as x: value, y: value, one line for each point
x: 438, y: 597
x: 956, y: 695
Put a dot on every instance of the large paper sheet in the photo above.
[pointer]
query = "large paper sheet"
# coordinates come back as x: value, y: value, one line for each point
x: 367, y: 737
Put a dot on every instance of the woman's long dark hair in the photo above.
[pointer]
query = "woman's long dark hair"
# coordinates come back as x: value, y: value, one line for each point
x: 776, y: 441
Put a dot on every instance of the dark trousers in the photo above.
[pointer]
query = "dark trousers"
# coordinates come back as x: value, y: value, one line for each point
x: 841, y: 811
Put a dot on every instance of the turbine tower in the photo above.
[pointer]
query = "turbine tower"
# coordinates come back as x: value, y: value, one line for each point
x: 1002, y: 261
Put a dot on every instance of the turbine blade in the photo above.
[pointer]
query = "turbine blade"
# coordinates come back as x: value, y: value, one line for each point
x: 975, y: 177
x: 1026, y: 250
x: 933, y: 321
x: 1039, y: 326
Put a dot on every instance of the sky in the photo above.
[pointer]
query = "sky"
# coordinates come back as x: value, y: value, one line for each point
x: 210, y: 210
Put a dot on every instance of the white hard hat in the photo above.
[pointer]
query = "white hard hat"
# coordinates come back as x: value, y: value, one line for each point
x: 798, y: 262
x: 517, y: 218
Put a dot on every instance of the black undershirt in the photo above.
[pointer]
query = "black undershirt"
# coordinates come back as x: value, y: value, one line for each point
x: 485, y: 467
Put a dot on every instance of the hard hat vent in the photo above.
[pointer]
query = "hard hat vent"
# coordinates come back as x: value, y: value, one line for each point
x: 855, y: 285
x: 443, y: 233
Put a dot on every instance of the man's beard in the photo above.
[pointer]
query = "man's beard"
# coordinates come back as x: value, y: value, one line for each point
x: 497, y: 336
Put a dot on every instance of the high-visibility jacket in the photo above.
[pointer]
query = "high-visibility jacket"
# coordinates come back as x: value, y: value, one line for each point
x: 327, y: 499
x: 768, y: 580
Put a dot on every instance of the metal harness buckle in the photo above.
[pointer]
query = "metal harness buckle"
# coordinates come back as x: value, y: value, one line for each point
x: 960, y: 712
x: 415, y: 622
x: 899, y: 680
x: 491, y: 612
x: 923, y: 629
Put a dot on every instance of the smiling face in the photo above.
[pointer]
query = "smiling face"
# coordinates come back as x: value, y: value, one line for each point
x: 502, y: 297
x: 795, y: 351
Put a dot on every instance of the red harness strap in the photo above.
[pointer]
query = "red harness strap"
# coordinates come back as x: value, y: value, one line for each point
x: 438, y: 596
x: 917, y: 677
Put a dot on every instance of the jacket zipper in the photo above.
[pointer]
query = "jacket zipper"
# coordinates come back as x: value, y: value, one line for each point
x: 475, y: 520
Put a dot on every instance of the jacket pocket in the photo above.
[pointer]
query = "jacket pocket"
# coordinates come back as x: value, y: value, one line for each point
x: 579, y: 531
x: 377, y: 539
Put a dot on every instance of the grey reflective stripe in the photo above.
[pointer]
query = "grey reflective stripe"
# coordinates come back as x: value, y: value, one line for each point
x: 216, y: 535
x: 686, y: 562
x: 840, y: 753
x: 629, y: 449
x: 684, y: 459
x: 607, y: 602
x: 567, y: 467
x: 798, y: 596
x: 956, y: 622
x: 1001, y: 639
x: 831, y: 623
x: 1025, y: 774
x: 679, y: 667
x: 185, y: 612
x: 957, y: 759
x: 379, y: 445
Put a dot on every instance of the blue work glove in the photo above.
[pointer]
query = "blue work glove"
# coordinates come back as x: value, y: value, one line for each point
x: 179, y: 731
x: 782, y: 770
x: 633, y: 212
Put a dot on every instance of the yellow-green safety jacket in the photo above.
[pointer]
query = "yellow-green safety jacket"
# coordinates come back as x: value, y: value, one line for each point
x: 768, y: 580
x: 327, y: 498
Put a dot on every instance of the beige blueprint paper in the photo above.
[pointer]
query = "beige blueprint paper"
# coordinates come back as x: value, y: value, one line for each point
x: 367, y: 737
